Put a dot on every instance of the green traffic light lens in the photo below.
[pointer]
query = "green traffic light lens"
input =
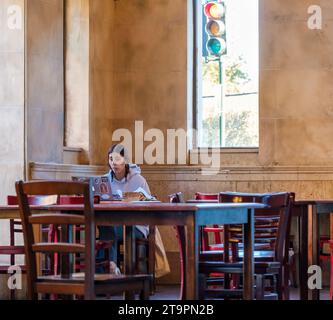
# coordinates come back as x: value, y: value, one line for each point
x: 216, y: 46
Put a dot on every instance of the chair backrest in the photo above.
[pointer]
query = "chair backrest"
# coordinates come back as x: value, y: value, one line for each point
x: 66, y: 199
x: 272, y: 224
x: 33, y: 200
x: 15, y: 226
x: 176, y: 198
x: 206, y: 196
x: 29, y: 218
x: 201, y: 196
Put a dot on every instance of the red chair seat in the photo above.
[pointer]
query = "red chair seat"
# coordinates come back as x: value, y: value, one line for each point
x: 206, y: 196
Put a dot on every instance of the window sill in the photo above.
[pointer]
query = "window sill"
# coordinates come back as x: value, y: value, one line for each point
x: 224, y: 156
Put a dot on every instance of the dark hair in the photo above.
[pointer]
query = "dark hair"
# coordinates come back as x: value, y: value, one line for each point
x: 119, y: 148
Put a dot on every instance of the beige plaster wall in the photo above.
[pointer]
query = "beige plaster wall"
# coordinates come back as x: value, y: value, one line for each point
x: 138, y: 68
x: 139, y: 72
x: 45, y: 80
x: 31, y: 93
x: 296, y: 105
x: 77, y: 74
x: 11, y: 108
x: 101, y: 86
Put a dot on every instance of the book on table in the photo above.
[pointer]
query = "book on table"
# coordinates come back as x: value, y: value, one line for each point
x: 138, y: 195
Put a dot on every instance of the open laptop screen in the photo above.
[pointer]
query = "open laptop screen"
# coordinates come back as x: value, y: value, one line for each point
x: 101, y: 186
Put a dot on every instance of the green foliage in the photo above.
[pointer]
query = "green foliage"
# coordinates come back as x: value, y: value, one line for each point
x: 210, y: 127
x: 211, y: 72
x: 234, y: 72
x: 237, y: 130
x: 236, y: 76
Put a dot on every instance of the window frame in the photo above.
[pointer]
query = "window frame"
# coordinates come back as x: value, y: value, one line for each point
x: 195, y: 56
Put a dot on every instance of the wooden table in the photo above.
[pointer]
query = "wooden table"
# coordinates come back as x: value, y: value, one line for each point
x: 308, y: 212
x: 190, y: 215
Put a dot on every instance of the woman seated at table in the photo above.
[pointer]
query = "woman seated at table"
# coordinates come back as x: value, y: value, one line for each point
x: 126, y: 177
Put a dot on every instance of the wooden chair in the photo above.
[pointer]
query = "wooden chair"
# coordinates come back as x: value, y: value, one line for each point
x: 50, y: 265
x: 15, y: 228
x: 206, y: 196
x: 12, y: 250
x: 218, y: 244
x: 87, y: 284
x: 181, y: 237
x: 215, y: 229
x: 144, y: 256
x: 272, y: 227
x: 103, y: 245
x: 327, y: 255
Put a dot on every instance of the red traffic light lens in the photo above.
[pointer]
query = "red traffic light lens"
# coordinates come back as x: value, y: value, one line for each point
x: 216, y: 46
x: 214, y: 10
x: 215, y: 28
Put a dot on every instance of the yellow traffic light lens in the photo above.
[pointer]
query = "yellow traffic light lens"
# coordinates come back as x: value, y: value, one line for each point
x: 214, y: 10
x: 215, y: 28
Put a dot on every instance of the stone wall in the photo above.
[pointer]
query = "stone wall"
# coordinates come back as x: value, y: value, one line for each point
x: 11, y: 103
x: 44, y: 80
x: 138, y: 68
x: 102, y: 83
x: 77, y: 74
x: 296, y: 105
x: 31, y: 92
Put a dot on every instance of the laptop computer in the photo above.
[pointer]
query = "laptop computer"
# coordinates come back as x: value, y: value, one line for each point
x: 101, y: 185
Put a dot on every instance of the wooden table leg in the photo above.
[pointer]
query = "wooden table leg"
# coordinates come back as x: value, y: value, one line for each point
x: 248, y: 271
x: 129, y: 255
x: 181, y: 233
x: 303, y: 253
x: 192, y: 260
x: 313, y: 245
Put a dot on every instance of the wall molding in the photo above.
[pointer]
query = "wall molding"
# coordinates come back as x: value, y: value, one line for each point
x: 194, y: 173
